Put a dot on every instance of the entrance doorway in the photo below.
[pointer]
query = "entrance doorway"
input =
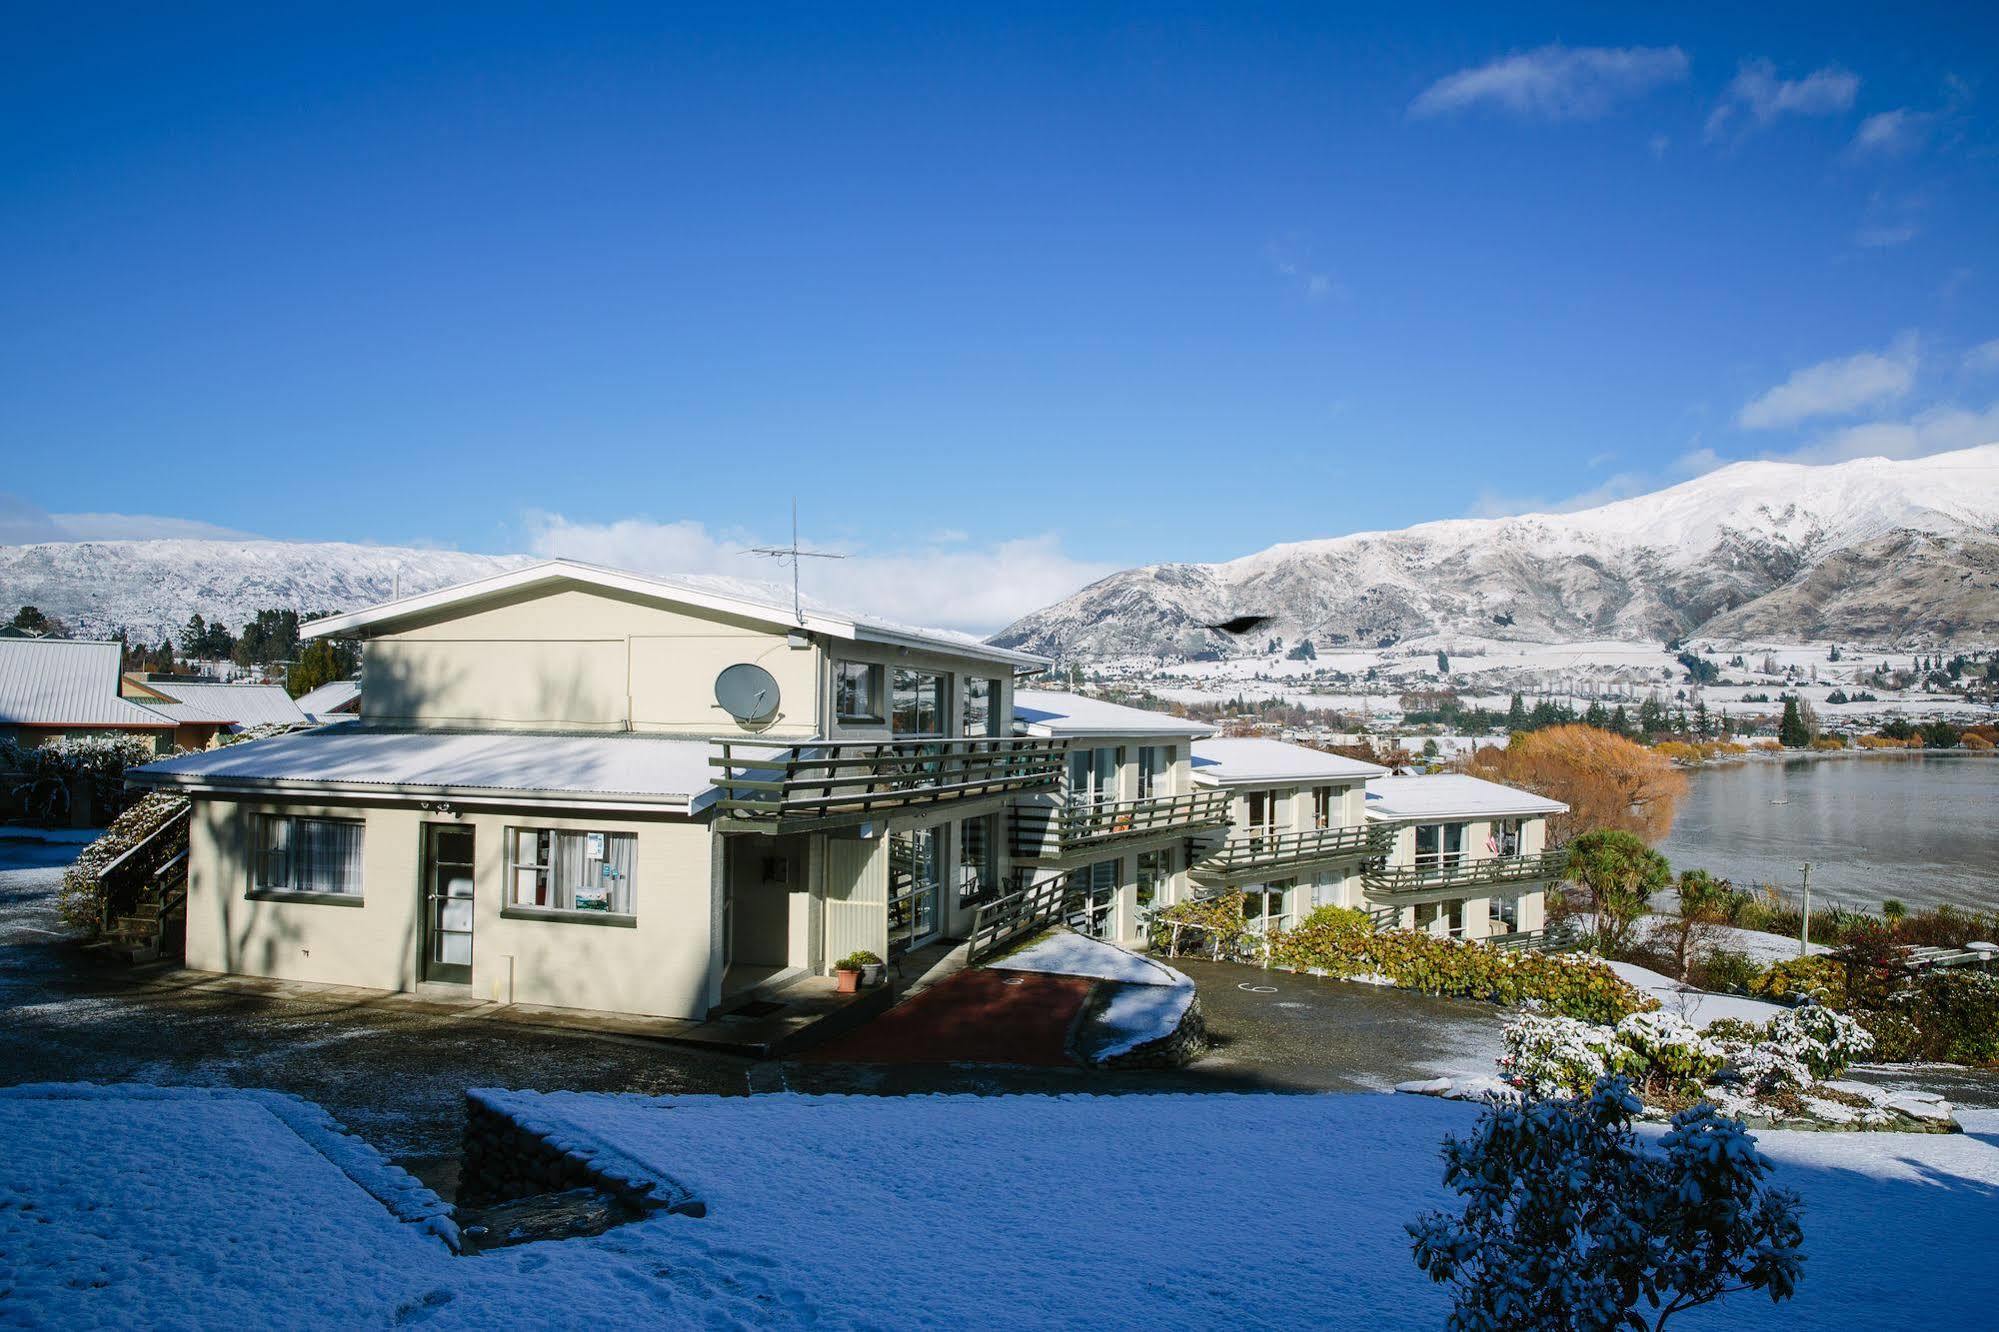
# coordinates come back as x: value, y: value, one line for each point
x: 915, y: 884
x: 447, y: 904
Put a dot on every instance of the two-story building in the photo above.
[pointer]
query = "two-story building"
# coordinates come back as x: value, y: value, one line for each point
x: 1298, y: 836
x: 1117, y: 830
x: 1465, y: 858
x: 584, y: 788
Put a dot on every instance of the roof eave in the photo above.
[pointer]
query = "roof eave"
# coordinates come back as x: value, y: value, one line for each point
x: 396, y: 792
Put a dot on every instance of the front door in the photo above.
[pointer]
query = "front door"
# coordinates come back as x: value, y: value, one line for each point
x: 447, y: 904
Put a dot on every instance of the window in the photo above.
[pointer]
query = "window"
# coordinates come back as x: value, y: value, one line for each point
x: 915, y: 876
x: 981, y: 708
x: 1505, y: 914
x: 1093, y: 775
x: 307, y: 856
x: 1445, y: 920
x: 978, y: 860
x: 1326, y: 888
x: 1154, y: 869
x: 918, y: 703
x: 1324, y: 800
x: 1093, y: 899
x: 571, y: 871
x: 857, y: 692
x: 1439, y: 844
x: 1155, y: 762
x: 1262, y: 814
x: 1267, y: 908
x: 1504, y: 840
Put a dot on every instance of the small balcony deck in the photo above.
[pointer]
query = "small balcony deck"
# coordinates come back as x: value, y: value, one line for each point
x: 1247, y: 856
x: 774, y: 787
x: 1404, y: 883
x: 1059, y: 833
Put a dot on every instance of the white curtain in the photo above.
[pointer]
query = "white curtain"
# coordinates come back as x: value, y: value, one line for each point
x: 571, y: 871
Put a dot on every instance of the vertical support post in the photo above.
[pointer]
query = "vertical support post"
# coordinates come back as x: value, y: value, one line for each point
x: 1805, y: 917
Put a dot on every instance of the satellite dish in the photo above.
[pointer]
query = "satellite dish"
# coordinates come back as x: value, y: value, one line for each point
x: 746, y: 692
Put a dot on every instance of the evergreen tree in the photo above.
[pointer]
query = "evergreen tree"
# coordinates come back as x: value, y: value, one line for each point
x: 1651, y: 716
x: 1703, y: 726
x: 194, y: 637
x: 318, y: 664
x: 1791, y: 732
x: 1516, y: 715
x: 1620, y: 721
x: 1594, y: 715
x: 1443, y: 663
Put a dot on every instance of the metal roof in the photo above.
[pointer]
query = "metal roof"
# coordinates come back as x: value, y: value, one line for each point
x: 616, y: 770
x: 231, y: 704
x: 67, y: 682
x: 1448, y: 795
x: 728, y: 599
x: 1250, y: 760
x: 1053, y: 713
x: 329, y: 697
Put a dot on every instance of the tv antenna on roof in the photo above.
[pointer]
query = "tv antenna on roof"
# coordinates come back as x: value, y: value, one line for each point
x: 791, y: 555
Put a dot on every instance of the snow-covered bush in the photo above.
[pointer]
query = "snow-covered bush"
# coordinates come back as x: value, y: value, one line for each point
x: 42, y: 778
x: 1671, y: 1052
x: 80, y: 901
x: 1569, y: 1224
x: 1797, y: 1047
x: 1549, y: 1055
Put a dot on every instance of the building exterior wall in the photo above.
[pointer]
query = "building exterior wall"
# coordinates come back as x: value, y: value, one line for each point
x: 662, y: 964
x: 1479, y: 921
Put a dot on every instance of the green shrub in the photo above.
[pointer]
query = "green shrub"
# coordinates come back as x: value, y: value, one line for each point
x: 1955, y: 1013
x: 1816, y: 977
x: 856, y: 960
x: 1724, y: 969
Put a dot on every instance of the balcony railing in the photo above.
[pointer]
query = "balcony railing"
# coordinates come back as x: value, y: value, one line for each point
x: 1255, y: 853
x: 1385, y: 880
x: 1052, y: 832
x: 773, y: 787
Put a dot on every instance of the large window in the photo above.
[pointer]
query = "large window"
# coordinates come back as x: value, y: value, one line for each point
x: 1439, y: 844
x: 978, y: 860
x: 915, y: 880
x: 1093, y: 775
x: 1445, y: 920
x: 1093, y: 899
x: 981, y: 706
x: 1155, y: 762
x: 1155, y: 868
x: 297, y: 855
x: 918, y: 703
x: 1504, y: 839
x: 571, y: 871
x: 1266, y: 908
x: 857, y: 692
x: 1325, y: 799
x: 1263, y: 807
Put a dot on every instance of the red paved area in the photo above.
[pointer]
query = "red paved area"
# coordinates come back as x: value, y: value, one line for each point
x: 977, y: 1017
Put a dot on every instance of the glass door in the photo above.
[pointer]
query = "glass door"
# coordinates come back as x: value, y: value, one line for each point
x: 447, y: 914
x: 915, y: 882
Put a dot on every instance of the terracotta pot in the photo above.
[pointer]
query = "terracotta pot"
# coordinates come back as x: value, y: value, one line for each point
x: 850, y: 981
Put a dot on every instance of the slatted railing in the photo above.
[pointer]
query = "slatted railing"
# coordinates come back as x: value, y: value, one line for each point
x: 1391, y: 880
x: 1050, y: 832
x: 1004, y: 919
x: 778, y: 787
x: 1254, y: 852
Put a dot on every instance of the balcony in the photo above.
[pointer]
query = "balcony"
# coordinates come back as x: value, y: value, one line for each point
x: 1405, y: 881
x: 1061, y: 832
x: 784, y: 788
x: 1247, y: 856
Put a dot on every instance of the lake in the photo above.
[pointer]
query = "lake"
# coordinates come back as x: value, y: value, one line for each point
x: 1920, y: 827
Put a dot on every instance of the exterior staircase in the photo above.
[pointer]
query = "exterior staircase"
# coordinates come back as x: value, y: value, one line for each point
x: 145, y: 895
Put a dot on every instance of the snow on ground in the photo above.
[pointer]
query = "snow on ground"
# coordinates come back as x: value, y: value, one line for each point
x: 930, y: 1211
x: 1149, y: 1004
x: 1696, y: 1006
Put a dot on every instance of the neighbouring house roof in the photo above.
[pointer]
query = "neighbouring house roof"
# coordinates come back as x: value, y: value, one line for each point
x: 1049, y: 712
x: 581, y: 771
x: 331, y: 697
x: 228, y: 704
x: 67, y: 682
x: 1451, y: 795
x: 1248, y: 761
x: 730, y: 597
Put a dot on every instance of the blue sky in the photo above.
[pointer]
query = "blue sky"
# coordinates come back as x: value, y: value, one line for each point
x: 1013, y: 296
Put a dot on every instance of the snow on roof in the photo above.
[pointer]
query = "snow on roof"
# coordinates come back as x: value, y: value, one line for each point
x: 1054, y: 713
x: 1451, y: 795
x: 329, y: 697
x: 615, y: 768
x: 66, y: 682
x: 1248, y: 760
x: 730, y: 596
x: 234, y: 704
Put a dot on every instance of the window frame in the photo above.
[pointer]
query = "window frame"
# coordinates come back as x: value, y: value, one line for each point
x: 512, y: 908
x: 942, y: 706
x: 967, y: 686
x: 875, y: 675
x: 260, y: 890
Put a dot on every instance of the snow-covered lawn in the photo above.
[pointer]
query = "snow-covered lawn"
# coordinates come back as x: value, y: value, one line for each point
x: 1697, y: 1006
x: 1125, y: 1211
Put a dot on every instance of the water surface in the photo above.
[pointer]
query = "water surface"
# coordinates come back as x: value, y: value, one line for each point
x: 1920, y: 827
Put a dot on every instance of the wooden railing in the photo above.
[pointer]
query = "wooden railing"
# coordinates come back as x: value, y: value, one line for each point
x: 1029, y: 906
x: 127, y: 880
x: 777, y: 787
x: 1389, y: 880
x: 1249, y: 853
x: 1050, y: 832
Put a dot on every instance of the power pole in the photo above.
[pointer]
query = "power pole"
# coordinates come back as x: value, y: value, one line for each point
x: 1805, y: 917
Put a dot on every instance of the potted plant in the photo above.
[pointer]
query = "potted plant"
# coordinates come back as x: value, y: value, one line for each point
x: 871, y: 969
x: 848, y: 970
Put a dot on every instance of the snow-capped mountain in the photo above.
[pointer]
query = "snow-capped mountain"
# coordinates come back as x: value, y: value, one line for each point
x: 150, y: 588
x: 1871, y: 551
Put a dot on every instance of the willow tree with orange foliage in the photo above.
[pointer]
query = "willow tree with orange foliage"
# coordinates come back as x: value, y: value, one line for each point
x: 1606, y: 780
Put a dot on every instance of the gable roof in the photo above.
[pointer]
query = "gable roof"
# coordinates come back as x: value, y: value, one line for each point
x: 726, y: 598
x: 67, y: 682
x: 1251, y: 761
x: 329, y: 698
x: 1451, y: 795
x: 1054, y: 713
x: 616, y: 770
x: 231, y: 704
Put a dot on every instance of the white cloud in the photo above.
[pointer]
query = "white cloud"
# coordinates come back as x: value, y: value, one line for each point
x: 1555, y: 82
x: 951, y: 585
x: 1892, y: 133
x: 1942, y: 429
x: 1983, y: 358
x: 1756, y: 97
x: 1658, y: 143
x: 1835, y: 388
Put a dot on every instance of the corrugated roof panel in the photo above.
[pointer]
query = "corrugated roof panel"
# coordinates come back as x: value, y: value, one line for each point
x: 237, y: 704
x: 66, y: 682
